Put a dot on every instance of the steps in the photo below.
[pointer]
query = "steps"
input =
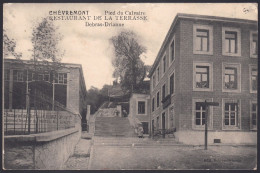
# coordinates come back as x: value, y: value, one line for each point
x: 113, y: 127
x: 133, y: 141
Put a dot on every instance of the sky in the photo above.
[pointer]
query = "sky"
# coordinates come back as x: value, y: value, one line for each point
x: 90, y: 46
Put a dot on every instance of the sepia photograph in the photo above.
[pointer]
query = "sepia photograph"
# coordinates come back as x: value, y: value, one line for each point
x: 129, y: 86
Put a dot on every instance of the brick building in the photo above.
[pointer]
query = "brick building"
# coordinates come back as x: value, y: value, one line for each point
x: 207, y: 58
x: 69, y: 86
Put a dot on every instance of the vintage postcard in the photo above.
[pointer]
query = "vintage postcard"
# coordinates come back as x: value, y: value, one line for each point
x: 130, y: 86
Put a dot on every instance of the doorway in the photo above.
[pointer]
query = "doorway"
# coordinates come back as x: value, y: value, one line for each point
x: 145, y: 127
x: 163, y: 124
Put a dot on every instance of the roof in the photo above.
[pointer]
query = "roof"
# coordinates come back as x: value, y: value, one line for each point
x: 30, y: 62
x: 195, y: 17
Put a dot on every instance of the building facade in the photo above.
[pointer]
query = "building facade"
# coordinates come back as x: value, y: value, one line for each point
x: 139, y: 110
x: 213, y: 59
x: 66, y: 87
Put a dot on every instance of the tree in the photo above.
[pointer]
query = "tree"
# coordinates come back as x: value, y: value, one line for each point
x: 9, y: 46
x: 45, y: 39
x: 127, y: 62
x: 96, y: 97
x: 46, y: 55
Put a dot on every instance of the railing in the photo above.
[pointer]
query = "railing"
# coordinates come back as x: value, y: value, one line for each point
x: 38, y: 117
x: 162, y: 132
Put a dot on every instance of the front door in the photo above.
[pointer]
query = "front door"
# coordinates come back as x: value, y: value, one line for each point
x: 145, y: 127
x: 152, y: 127
x: 163, y: 124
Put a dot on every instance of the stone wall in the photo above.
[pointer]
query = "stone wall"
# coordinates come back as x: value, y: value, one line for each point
x: 40, y: 151
x: 232, y: 137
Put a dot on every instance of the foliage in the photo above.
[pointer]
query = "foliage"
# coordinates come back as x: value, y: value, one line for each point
x: 45, y: 40
x: 9, y: 46
x: 96, y: 97
x: 127, y: 62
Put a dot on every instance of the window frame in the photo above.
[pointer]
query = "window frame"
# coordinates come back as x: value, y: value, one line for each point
x: 169, y: 88
x: 238, y: 41
x: 231, y: 127
x: 170, y: 51
x: 210, y: 77
x: 210, y: 122
x: 57, y: 79
x: 252, y: 55
x: 210, y: 39
x: 153, y: 81
x: 164, y: 64
x: 7, y: 75
x: 158, y: 74
x: 153, y: 104
x: 158, y: 99
x: 145, y: 109
x: 238, y: 67
x: 17, y: 76
x: 251, y: 66
x: 253, y: 127
x: 165, y: 117
x: 164, y: 91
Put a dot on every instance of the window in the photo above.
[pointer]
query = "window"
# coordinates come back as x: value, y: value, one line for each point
x: 47, y: 77
x: 172, y: 50
x: 253, y: 112
x: 163, y: 92
x: 61, y: 78
x: 6, y: 75
x: 18, y: 75
x: 40, y: 77
x: 141, y: 107
x: 203, y: 77
x: 158, y: 99
x: 231, y: 111
x: 231, y: 115
x: 253, y: 44
x: 153, y: 81
x: 158, y: 75
x: 164, y: 64
x: 231, y: 78
x: 44, y: 77
x: 153, y: 105
x: 172, y: 84
x: 231, y: 41
x: 253, y: 79
x: 157, y: 123
x: 203, y: 39
x: 199, y: 114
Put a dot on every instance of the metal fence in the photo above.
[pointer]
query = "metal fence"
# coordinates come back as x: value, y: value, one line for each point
x: 39, y: 116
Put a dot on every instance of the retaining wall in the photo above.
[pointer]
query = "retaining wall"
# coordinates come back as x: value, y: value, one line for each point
x: 40, y: 151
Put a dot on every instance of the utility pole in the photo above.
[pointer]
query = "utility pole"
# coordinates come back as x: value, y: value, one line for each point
x: 206, y: 105
x: 108, y: 94
x: 206, y: 126
x: 53, y: 91
x: 28, y: 104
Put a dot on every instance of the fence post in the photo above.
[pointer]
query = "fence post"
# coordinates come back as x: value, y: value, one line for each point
x: 28, y: 112
x: 57, y: 120
x: 6, y: 113
x: 14, y: 121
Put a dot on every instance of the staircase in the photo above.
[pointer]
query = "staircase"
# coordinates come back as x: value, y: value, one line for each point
x: 113, y: 127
